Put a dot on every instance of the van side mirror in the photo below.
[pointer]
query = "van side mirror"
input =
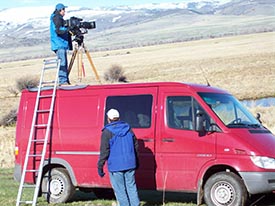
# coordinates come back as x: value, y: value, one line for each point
x: 259, y: 117
x: 199, y: 121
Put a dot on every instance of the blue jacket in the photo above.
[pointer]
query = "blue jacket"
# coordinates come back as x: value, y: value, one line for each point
x: 59, y: 33
x: 119, y: 146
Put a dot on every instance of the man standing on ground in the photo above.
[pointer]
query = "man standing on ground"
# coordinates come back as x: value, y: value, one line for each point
x: 119, y: 147
x: 60, y: 41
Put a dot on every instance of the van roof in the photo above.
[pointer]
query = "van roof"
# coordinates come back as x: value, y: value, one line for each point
x: 192, y: 86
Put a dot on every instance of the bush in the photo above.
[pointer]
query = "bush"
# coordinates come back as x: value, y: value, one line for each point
x: 9, y: 119
x: 13, y: 91
x: 26, y: 83
x: 115, y: 74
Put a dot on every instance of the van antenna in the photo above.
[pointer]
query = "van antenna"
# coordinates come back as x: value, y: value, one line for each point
x: 204, y: 75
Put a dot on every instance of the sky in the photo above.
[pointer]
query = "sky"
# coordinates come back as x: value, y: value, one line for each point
x: 85, y: 3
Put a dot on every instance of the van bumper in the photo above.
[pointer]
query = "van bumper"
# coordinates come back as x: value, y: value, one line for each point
x: 17, y: 172
x: 259, y: 182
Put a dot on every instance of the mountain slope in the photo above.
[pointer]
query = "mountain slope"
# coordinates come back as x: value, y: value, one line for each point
x: 139, y: 25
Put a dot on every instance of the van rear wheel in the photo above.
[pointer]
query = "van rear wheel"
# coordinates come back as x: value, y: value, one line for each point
x: 225, y: 189
x: 57, y: 186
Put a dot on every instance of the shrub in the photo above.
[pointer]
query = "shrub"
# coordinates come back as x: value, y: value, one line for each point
x: 9, y: 119
x: 13, y: 91
x: 115, y: 74
x: 26, y: 83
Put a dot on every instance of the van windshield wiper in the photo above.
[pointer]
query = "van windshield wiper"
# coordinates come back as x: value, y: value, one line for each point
x: 237, y: 125
x: 254, y: 125
x: 242, y: 124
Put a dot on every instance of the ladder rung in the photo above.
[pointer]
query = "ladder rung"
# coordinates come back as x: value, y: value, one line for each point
x: 46, y: 96
x: 47, y: 86
x: 48, y: 82
x: 43, y: 110
x: 50, y: 61
x: 29, y: 186
x: 40, y: 125
x: 32, y: 170
x: 35, y: 155
x: 38, y: 140
x: 26, y: 202
x: 49, y: 67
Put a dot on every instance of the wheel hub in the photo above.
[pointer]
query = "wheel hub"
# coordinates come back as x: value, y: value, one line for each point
x: 223, y: 193
x: 56, y: 187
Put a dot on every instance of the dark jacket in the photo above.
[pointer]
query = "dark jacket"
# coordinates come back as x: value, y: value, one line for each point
x: 119, y: 146
x: 59, y: 33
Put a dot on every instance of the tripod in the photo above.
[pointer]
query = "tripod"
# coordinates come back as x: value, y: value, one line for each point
x: 78, y: 52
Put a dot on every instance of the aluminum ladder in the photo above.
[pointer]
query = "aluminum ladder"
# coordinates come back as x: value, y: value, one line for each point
x: 39, y: 133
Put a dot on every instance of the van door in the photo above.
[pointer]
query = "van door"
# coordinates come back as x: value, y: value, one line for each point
x: 77, y: 131
x: 137, y: 107
x: 181, y: 151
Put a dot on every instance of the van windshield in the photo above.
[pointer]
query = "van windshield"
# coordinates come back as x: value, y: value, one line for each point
x: 230, y: 111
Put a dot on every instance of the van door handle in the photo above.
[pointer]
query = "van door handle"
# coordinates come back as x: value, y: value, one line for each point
x: 148, y: 140
x: 168, y: 140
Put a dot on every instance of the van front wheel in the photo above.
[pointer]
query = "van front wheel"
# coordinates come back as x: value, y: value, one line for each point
x: 225, y: 189
x: 57, y: 186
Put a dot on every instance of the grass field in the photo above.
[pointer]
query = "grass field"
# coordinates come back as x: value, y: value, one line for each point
x: 9, y: 188
x: 244, y: 65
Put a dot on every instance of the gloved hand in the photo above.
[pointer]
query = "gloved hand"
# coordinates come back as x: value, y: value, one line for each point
x: 100, y: 172
x: 137, y: 163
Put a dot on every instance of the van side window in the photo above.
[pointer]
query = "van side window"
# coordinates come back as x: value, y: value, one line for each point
x: 181, y: 112
x: 135, y: 109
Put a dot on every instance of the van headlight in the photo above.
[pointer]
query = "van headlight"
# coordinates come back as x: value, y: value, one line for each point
x: 263, y: 162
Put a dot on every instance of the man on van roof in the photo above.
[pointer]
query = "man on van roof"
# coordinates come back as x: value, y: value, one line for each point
x: 60, y: 41
x: 119, y: 147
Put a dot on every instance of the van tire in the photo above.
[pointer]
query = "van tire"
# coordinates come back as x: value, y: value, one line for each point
x: 57, y: 186
x: 225, y: 188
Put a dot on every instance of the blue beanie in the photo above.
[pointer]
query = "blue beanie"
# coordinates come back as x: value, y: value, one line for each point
x: 60, y: 6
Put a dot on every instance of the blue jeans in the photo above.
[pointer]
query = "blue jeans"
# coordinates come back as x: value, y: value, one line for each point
x: 63, y: 72
x: 125, y: 188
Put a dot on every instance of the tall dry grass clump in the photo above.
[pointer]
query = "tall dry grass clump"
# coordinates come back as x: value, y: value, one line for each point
x: 115, y: 74
x: 7, y: 141
x: 9, y: 119
x: 26, y: 82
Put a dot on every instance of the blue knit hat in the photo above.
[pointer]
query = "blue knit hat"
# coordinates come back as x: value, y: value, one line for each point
x: 60, y: 6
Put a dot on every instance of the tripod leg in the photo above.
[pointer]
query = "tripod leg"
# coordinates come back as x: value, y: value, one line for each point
x: 92, y: 64
x: 80, y: 66
x: 78, y: 62
x: 72, y: 60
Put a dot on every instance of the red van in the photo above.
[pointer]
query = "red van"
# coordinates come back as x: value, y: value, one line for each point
x: 192, y: 138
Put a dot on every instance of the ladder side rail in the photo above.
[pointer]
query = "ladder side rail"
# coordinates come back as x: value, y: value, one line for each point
x: 23, y: 175
x: 48, y: 129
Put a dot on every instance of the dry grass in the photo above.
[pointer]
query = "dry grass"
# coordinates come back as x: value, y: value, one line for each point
x: 7, y: 147
x: 243, y: 65
x: 238, y: 64
x: 267, y: 116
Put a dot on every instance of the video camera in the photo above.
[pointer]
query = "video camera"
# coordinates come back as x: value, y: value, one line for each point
x: 77, y: 27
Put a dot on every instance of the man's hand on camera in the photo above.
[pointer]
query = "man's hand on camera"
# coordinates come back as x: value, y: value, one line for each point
x: 71, y: 33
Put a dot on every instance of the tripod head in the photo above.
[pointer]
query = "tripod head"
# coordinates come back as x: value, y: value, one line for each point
x: 79, y: 39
